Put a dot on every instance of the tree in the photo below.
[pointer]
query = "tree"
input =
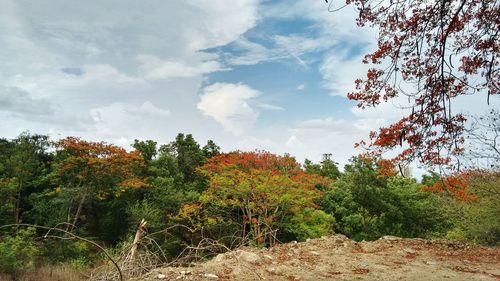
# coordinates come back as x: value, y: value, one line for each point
x: 211, y: 149
x: 94, y: 170
x: 166, y: 193
x: 23, y: 168
x: 256, y: 192
x: 483, y: 137
x: 18, y: 252
x: 477, y: 220
x: 327, y: 167
x: 430, y: 52
x: 188, y: 154
x: 147, y: 149
x: 368, y: 201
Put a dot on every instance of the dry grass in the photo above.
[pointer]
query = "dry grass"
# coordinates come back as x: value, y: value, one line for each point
x: 51, y: 273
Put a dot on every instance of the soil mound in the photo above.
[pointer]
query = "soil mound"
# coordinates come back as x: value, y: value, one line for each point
x: 338, y: 258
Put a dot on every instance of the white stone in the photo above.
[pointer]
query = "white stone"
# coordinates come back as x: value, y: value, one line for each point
x: 161, y: 276
x: 268, y: 257
x: 220, y: 257
x: 249, y: 257
x: 410, y: 251
x: 210, y: 276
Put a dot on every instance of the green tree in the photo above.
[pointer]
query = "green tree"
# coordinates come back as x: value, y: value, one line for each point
x: 147, y: 149
x: 188, y: 154
x: 24, y: 165
x: 477, y: 221
x: 167, y: 191
x: 210, y: 149
x: 327, y: 167
x: 18, y: 253
x: 369, y: 201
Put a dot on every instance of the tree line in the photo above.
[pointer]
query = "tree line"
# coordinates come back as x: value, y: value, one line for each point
x: 101, y: 192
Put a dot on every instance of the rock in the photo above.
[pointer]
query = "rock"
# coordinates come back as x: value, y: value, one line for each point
x: 249, y: 257
x: 161, y: 276
x: 210, y: 276
x: 390, y: 238
x: 269, y: 257
x: 315, y: 253
x: 220, y: 257
x: 410, y: 251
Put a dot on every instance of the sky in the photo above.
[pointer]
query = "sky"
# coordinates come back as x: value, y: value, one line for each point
x: 248, y: 74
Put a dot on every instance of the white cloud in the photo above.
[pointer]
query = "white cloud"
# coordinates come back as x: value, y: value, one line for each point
x: 270, y: 107
x: 336, y: 32
x: 217, y: 23
x: 294, y: 142
x: 228, y: 104
x: 339, y: 73
x: 104, y: 73
x: 257, y: 143
x: 314, y: 137
x: 114, y: 121
x: 147, y: 109
x: 109, y: 58
x: 117, y: 111
x: 284, y: 47
x: 300, y: 87
x: 154, y: 68
x: 328, y: 124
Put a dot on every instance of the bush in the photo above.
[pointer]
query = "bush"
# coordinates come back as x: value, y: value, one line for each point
x: 18, y: 253
x: 68, y: 251
x: 477, y: 221
x: 367, y: 205
x: 310, y: 223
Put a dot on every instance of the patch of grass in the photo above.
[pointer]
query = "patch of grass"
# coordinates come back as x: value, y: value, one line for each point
x: 51, y: 272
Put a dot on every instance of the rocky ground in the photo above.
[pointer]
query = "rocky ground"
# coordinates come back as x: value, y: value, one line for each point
x: 338, y: 258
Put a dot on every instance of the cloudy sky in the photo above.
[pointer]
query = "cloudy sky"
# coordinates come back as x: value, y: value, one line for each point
x: 248, y: 74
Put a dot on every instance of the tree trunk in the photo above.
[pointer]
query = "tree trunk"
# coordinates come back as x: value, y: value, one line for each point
x: 78, y: 211
x: 17, y: 211
x: 137, y: 238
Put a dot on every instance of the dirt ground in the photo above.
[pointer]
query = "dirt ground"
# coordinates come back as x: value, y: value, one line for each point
x: 338, y: 258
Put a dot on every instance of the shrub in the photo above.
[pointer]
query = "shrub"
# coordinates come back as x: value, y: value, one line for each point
x: 18, y: 252
x: 310, y: 223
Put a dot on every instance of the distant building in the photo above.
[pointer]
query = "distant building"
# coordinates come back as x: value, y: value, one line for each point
x: 404, y: 170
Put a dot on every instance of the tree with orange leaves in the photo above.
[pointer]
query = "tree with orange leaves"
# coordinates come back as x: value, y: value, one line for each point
x: 94, y: 170
x: 430, y: 53
x: 457, y: 185
x: 257, y: 192
x: 472, y: 200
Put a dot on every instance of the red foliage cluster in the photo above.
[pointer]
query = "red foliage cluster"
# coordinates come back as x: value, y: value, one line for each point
x: 386, y: 168
x: 245, y: 161
x: 262, y: 188
x: 419, y: 45
x: 98, y: 165
x: 458, y: 185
